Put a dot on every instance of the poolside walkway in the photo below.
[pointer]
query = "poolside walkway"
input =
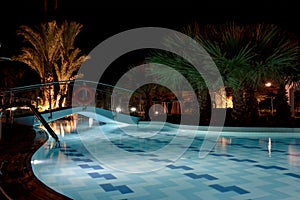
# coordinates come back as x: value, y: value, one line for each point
x: 17, y: 181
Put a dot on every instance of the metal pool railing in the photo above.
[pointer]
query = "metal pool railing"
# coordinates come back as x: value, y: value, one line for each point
x: 83, y: 93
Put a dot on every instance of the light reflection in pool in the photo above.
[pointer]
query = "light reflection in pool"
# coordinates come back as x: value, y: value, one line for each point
x: 235, y: 160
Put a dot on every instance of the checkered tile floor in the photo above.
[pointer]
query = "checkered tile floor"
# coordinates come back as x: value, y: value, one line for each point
x: 238, y: 167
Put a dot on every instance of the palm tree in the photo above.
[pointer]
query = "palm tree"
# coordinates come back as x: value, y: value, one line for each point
x: 70, y: 57
x: 49, y: 50
x: 247, y: 55
x: 175, y: 80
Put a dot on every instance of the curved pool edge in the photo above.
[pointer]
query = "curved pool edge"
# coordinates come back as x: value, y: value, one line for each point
x: 17, y: 179
x: 230, y: 128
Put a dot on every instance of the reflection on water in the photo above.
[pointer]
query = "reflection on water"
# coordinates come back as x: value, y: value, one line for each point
x: 276, y: 147
x: 222, y: 143
x: 64, y: 126
x: 287, y: 148
x: 293, y: 154
x: 236, y: 157
x: 270, y: 147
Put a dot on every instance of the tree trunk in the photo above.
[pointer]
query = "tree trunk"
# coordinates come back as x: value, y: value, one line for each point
x: 48, y: 96
x: 205, y: 106
x: 251, y: 107
x: 61, y: 96
x: 283, y: 112
x: 238, y: 106
x: 148, y: 106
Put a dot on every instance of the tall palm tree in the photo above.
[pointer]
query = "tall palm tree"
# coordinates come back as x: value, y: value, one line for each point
x: 70, y: 57
x: 49, y: 50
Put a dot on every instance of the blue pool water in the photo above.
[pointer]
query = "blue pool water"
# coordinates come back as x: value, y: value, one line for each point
x: 242, y: 164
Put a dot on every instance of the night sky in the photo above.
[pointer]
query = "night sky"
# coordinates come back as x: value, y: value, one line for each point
x: 102, y: 19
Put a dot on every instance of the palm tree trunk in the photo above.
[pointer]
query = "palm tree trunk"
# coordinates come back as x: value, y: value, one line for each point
x: 205, y: 106
x: 61, y: 96
x: 238, y: 106
x: 148, y: 105
x: 251, y: 107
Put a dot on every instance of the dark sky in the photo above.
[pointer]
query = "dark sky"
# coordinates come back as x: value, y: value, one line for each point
x: 102, y: 19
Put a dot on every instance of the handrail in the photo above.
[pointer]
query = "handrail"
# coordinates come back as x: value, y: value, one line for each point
x: 40, y: 117
x: 9, y: 95
x: 34, y: 86
x: 44, y: 122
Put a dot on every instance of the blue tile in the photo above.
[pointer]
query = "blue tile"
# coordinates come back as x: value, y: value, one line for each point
x: 271, y: 167
x: 179, y: 167
x: 124, y: 189
x: 274, y: 150
x: 237, y: 190
x: 127, y: 147
x: 108, y: 187
x: 86, y: 166
x: 196, y: 176
x: 243, y: 160
x: 74, y: 154
x: 229, y: 188
x: 95, y: 175
x: 221, y: 154
x: 293, y: 175
x: 106, y: 176
x: 68, y: 150
x: 96, y: 167
x: 121, y: 188
x: 134, y: 150
x: 81, y: 159
x: 109, y: 176
x: 219, y: 188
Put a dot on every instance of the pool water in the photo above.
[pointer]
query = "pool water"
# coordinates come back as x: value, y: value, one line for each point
x: 241, y: 165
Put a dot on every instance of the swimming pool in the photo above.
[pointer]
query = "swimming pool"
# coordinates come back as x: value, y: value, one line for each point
x: 244, y: 163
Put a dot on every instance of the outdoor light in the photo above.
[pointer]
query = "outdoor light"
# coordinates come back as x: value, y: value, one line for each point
x: 268, y: 84
x: 35, y: 162
x: 133, y: 109
x: 12, y: 108
x: 118, y: 109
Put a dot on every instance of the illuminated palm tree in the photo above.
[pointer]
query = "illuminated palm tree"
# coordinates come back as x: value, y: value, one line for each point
x: 49, y: 50
x: 70, y: 57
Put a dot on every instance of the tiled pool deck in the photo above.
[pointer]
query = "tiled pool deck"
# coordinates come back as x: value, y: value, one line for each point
x: 240, y: 166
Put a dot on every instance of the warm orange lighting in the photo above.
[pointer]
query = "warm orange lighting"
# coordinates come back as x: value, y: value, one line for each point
x: 229, y: 102
x: 268, y: 84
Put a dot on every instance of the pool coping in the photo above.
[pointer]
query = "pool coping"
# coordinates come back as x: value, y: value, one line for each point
x: 228, y: 128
